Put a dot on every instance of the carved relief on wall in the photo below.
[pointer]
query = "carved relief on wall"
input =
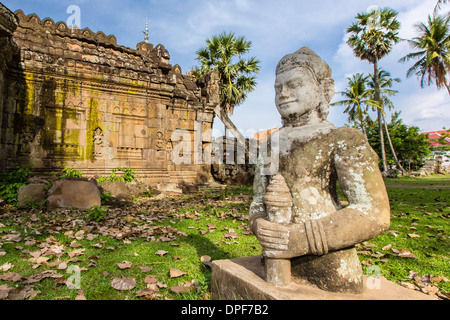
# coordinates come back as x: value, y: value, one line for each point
x: 159, y: 142
x: 25, y: 138
x: 98, y: 142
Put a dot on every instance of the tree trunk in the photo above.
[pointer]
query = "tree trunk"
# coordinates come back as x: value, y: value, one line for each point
x: 376, y: 81
x: 392, y: 147
x: 222, y: 115
x: 446, y: 85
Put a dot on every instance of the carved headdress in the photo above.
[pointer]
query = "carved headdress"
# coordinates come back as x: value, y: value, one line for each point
x: 319, y: 70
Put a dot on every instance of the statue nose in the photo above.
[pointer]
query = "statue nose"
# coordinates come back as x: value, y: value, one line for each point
x: 284, y: 92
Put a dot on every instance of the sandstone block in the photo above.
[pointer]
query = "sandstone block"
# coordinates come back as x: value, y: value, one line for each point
x: 31, y: 193
x: 73, y: 193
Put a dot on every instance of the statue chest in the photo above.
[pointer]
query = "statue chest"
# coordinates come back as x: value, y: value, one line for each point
x: 310, y: 175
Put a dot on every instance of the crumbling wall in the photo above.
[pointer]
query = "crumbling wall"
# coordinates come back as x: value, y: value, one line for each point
x: 75, y: 98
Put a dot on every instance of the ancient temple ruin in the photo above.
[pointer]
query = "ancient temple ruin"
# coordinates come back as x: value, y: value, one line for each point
x: 75, y: 98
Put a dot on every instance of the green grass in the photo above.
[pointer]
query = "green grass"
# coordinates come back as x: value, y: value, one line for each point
x: 186, y: 222
x: 423, y: 213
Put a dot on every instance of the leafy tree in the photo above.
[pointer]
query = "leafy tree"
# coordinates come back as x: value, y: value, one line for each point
x: 357, y: 100
x: 237, y: 75
x: 372, y: 37
x: 411, y: 146
x: 433, y: 43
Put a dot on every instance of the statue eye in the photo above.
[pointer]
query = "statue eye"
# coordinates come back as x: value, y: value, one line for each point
x: 278, y: 87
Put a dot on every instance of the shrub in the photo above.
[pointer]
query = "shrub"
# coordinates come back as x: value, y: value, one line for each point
x: 71, y: 173
x: 128, y: 175
x: 11, y: 182
x: 97, y: 213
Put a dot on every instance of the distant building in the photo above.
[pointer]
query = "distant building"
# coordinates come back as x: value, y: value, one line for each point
x: 264, y: 135
x: 441, y: 136
x: 439, y: 139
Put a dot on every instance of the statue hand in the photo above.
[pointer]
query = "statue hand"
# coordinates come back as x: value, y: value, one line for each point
x: 280, y: 241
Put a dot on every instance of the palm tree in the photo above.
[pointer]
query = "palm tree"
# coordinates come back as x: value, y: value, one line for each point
x: 372, y: 37
x: 439, y: 4
x: 386, y: 91
x: 236, y: 75
x: 358, y: 99
x: 433, y: 43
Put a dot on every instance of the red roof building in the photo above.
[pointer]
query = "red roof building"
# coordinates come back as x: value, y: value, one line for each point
x: 433, y: 136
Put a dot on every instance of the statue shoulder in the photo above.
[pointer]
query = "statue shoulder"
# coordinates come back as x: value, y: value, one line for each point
x: 349, y: 135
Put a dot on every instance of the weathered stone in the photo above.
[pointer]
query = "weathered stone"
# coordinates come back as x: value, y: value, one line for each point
x: 73, y: 193
x: 296, y: 214
x: 244, y: 279
x: 32, y: 193
x: 122, y: 190
x: 75, y: 98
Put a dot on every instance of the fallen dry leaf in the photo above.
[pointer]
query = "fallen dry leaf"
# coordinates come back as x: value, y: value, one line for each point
x: 150, y: 279
x: 43, y: 275
x: 405, y: 253
x: 79, y: 235
x: 22, y: 293
x: 179, y: 289
x: 161, y: 252
x: 124, y: 265
x: 12, y: 237
x: 146, y: 269
x: 11, y: 276
x: 39, y: 260
x: 147, y: 294
x: 175, y: 273
x: 76, y: 252
x: 62, y: 266
x: 123, y: 283
x: 4, y: 290
x: 413, y: 235
x: 5, y: 267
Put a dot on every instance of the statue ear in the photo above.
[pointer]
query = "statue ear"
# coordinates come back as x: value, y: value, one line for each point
x: 328, y: 89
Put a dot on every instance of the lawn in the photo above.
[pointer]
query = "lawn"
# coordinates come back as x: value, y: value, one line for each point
x: 162, y: 248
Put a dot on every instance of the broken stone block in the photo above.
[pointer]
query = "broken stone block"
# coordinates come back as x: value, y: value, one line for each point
x: 73, y: 193
x: 122, y: 190
x: 31, y: 193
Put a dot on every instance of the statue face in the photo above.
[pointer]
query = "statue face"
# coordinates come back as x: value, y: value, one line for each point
x: 297, y: 92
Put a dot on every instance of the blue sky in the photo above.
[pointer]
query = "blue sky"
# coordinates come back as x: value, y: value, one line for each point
x: 275, y: 29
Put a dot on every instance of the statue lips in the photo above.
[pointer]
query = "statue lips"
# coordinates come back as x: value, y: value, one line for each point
x: 284, y: 104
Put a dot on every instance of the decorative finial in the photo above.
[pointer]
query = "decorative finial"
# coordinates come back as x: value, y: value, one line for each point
x: 146, y: 30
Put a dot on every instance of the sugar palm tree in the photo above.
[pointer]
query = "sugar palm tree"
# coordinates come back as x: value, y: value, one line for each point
x: 372, y: 37
x: 386, y: 91
x: 357, y: 100
x: 433, y: 43
x: 439, y: 5
x: 236, y: 74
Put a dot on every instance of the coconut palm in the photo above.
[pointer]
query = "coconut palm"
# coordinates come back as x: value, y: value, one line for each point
x: 236, y: 74
x: 372, y: 37
x: 357, y: 100
x: 386, y: 91
x: 433, y: 43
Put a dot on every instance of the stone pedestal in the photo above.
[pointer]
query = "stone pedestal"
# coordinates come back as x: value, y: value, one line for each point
x: 243, y: 279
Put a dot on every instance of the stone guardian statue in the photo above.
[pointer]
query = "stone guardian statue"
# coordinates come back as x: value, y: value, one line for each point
x: 305, y: 232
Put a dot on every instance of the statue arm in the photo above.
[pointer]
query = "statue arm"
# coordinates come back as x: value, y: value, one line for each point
x: 367, y: 215
x: 368, y: 212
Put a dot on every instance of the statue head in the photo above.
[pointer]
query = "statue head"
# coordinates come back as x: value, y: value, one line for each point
x: 303, y: 86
